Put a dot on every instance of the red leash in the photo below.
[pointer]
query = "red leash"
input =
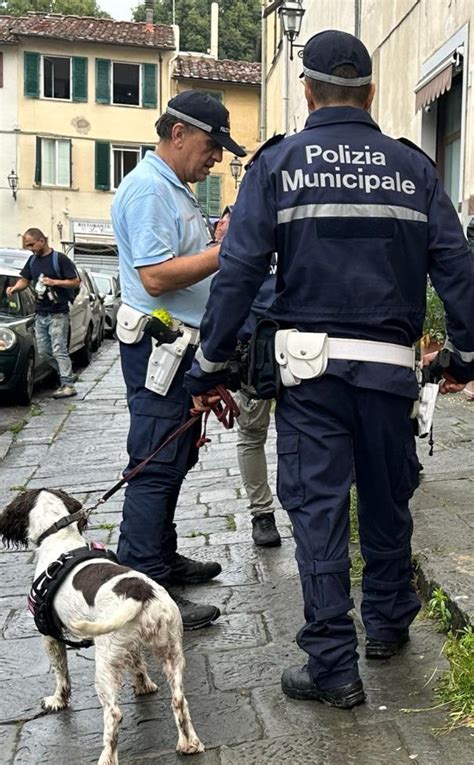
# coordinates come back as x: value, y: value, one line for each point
x: 225, y: 410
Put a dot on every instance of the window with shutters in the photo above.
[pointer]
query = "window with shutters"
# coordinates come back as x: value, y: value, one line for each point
x: 53, y: 165
x: 208, y: 193
x: 217, y: 94
x: 124, y: 159
x: 56, y: 77
x: 126, y: 81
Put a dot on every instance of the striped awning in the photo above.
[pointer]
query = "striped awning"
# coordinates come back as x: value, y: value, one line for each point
x: 433, y: 86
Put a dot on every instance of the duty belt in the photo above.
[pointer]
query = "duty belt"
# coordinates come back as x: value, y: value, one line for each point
x: 370, y: 350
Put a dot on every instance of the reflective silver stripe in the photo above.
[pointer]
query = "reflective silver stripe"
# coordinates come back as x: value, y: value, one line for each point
x: 349, y: 211
x: 345, y: 81
x: 466, y: 356
x: 191, y: 120
x: 209, y: 366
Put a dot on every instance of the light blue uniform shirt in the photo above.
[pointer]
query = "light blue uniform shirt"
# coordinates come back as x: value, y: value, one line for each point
x: 155, y: 218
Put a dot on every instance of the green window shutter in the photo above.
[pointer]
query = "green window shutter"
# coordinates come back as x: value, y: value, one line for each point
x: 102, y: 165
x: 102, y: 81
x: 214, y: 207
x: 38, y: 162
x: 202, y: 195
x: 147, y: 148
x: 149, y: 86
x: 31, y: 74
x: 79, y: 78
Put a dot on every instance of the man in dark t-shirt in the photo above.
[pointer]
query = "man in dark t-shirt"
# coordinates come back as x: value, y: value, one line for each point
x: 53, y: 276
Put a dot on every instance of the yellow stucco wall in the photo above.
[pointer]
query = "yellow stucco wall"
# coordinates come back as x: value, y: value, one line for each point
x: 242, y: 101
x: 123, y: 125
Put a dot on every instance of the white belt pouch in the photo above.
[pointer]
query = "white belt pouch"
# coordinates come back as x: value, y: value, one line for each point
x: 130, y: 324
x: 301, y: 355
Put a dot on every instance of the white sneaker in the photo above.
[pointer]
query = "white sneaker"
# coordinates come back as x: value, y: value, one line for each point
x: 65, y: 391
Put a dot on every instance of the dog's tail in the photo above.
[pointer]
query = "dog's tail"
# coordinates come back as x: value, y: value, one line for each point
x: 126, y: 613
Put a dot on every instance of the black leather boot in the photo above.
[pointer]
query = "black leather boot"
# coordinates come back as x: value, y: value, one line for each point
x: 195, y: 615
x: 377, y: 649
x: 297, y: 683
x: 188, y: 571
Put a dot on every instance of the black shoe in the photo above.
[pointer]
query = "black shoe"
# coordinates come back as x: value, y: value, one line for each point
x: 188, y: 571
x: 195, y: 615
x: 297, y: 683
x: 377, y: 649
x: 264, y: 531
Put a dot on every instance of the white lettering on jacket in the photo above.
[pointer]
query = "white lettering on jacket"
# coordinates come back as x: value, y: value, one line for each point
x: 292, y: 181
x: 344, y: 155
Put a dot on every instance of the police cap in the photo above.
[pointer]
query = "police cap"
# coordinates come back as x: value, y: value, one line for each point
x: 327, y: 50
x: 203, y: 111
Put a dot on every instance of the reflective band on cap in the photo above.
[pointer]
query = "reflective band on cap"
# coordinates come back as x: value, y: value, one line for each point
x: 345, y: 81
x: 191, y: 120
x: 349, y: 211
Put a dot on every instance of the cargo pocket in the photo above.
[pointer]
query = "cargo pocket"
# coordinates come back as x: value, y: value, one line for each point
x: 151, y: 422
x: 410, y: 475
x: 289, y: 488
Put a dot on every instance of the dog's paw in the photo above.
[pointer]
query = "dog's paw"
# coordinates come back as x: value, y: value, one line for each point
x: 142, y: 688
x: 53, y: 703
x: 190, y: 746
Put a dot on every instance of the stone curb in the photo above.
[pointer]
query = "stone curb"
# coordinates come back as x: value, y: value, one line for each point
x: 428, y: 579
x: 6, y: 440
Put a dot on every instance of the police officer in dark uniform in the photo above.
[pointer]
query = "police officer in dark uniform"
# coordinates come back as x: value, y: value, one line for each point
x: 358, y: 220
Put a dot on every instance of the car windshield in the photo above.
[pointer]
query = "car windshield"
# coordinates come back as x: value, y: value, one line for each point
x: 8, y: 305
x: 104, y: 285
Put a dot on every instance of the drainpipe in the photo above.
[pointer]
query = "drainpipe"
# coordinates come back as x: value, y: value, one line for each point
x: 286, y: 84
x: 357, y: 18
x: 263, y: 81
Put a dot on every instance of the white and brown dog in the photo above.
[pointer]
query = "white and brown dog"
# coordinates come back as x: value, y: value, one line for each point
x: 120, y: 609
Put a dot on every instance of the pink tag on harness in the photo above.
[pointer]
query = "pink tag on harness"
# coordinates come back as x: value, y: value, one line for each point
x: 97, y: 546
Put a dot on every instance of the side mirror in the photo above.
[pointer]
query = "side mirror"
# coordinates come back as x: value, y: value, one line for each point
x: 101, y: 297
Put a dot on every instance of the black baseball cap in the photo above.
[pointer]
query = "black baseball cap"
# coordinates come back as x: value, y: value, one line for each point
x: 203, y: 111
x: 327, y: 50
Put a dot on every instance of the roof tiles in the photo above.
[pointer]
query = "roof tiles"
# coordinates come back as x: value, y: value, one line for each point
x: 87, y: 29
x: 202, y: 68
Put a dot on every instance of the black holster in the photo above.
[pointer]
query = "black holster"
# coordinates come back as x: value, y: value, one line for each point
x: 264, y: 373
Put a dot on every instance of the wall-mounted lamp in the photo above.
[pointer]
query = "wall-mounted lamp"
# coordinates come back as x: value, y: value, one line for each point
x: 291, y: 14
x: 13, y: 182
x: 236, y: 169
x: 59, y: 226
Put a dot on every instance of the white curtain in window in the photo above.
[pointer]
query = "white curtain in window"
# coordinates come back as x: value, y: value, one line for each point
x: 48, y: 161
x: 64, y: 164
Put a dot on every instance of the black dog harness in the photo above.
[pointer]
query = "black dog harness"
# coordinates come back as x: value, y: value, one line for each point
x: 46, y: 585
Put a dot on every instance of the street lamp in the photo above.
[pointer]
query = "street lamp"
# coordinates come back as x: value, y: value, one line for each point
x: 13, y: 182
x: 236, y: 169
x: 291, y: 15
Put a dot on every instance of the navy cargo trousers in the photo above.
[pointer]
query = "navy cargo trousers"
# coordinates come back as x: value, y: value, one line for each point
x: 327, y: 428
x: 148, y: 538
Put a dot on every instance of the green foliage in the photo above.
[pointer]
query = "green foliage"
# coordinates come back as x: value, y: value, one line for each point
x: 456, y: 687
x: 435, y: 325
x: 107, y: 526
x: 354, y: 521
x: 239, y: 25
x: 231, y: 524
x: 35, y: 410
x: 66, y: 7
x: 438, y: 609
x: 17, y: 427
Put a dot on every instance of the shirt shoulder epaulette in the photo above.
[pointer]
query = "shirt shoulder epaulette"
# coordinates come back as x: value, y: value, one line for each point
x: 266, y: 145
x: 411, y: 145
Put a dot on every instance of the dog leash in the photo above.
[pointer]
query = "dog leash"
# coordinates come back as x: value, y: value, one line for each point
x: 225, y: 410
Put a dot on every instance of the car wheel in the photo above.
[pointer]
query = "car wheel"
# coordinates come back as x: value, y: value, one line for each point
x: 25, y: 389
x: 84, y: 356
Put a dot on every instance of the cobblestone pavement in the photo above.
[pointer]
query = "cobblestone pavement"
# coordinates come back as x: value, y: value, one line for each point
x: 233, y: 668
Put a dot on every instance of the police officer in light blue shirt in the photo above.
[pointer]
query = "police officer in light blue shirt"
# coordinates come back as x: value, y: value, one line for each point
x: 358, y: 221
x: 165, y: 263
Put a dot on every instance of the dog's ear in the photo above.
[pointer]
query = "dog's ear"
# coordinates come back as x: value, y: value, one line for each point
x: 14, y: 520
x: 72, y: 504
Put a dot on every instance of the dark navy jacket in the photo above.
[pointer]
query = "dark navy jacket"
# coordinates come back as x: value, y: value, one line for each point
x: 358, y: 220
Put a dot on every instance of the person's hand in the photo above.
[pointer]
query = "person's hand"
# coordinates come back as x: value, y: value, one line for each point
x: 221, y: 228
x: 10, y: 291
x: 202, y: 403
x: 49, y: 282
x: 448, y: 383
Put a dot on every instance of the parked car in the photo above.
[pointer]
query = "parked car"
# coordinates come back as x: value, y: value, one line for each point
x: 21, y: 366
x: 108, y: 286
